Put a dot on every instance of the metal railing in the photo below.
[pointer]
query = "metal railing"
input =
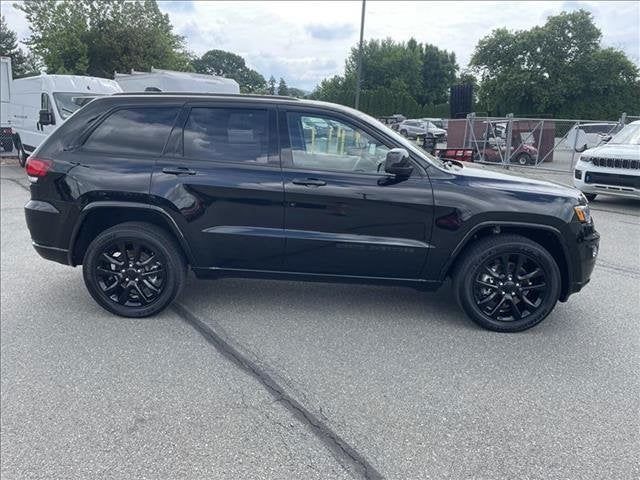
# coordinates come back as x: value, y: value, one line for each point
x: 542, y: 143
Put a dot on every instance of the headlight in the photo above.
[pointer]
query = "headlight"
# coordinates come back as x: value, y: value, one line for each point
x: 583, y: 213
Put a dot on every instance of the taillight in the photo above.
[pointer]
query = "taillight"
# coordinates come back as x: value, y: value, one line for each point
x: 38, y: 167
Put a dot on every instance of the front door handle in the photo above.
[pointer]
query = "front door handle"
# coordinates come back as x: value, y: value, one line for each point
x: 178, y: 171
x: 308, y: 182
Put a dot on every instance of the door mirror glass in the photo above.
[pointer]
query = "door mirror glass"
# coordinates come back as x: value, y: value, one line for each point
x: 45, y: 117
x: 397, y: 163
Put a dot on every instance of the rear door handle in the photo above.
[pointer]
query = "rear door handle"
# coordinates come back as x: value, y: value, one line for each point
x: 178, y: 171
x: 309, y: 182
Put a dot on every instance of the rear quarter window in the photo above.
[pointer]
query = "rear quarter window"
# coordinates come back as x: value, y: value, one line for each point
x: 139, y: 131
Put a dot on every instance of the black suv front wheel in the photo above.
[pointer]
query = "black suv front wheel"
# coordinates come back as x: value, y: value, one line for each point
x: 507, y: 283
x: 134, y: 269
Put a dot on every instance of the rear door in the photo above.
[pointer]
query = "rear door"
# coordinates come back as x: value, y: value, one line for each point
x: 220, y: 177
x: 343, y: 214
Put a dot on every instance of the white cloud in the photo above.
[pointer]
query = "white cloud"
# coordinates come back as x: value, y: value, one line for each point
x: 306, y: 41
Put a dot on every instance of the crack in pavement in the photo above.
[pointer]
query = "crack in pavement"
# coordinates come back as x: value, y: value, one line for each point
x: 336, y: 444
x: 15, y: 180
x: 625, y: 271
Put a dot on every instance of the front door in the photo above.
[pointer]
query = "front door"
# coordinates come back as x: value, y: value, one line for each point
x: 220, y: 177
x: 343, y: 214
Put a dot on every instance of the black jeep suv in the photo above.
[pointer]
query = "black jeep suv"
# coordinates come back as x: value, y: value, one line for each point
x: 138, y: 187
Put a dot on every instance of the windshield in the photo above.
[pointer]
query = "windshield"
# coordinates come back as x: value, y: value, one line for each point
x: 629, y: 135
x: 69, y: 102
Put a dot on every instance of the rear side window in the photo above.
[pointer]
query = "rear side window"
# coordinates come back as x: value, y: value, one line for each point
x: 139, y: 131
x: 227, y: 135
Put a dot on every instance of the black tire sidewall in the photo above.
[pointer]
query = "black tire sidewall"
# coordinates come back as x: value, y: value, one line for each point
x: 473, y: 262
x: 173, y: 268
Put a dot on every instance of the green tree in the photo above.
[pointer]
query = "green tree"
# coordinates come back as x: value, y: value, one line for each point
x: 98, y: 37
x: 558, y: 68
x: 387, y: 63
x: 271, y: 88
x: 22, y: 64
x: 230, y: 65
x: 439, y: 69
x: 282, y: 87
x: 296, y: 92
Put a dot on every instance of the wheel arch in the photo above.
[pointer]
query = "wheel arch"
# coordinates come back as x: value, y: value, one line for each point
x: 98, y: 216
x: 547, y: 236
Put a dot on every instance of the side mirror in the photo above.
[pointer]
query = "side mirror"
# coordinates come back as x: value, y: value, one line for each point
x: 606, y: 138
x: 46, y: 117
x: 397, y: 163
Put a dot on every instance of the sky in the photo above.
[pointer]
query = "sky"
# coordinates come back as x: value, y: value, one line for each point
x: 305, y: 41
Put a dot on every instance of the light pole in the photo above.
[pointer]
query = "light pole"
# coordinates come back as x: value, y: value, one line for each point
x: 359, y: 72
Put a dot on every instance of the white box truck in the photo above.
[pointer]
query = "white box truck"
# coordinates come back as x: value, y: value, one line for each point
x: 169, y: 81
x: 42, y: 103
x: 6, y: 78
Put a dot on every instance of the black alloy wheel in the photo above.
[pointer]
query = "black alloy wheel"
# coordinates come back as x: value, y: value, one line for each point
x: 134, y: 269
x: 507, y: 282
x: 131, y: 273
x: 510, y: 287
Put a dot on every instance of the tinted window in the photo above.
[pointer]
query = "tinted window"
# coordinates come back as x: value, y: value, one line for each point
x: 134, y: 130
x: 323, y: 143
x: 227, y: 135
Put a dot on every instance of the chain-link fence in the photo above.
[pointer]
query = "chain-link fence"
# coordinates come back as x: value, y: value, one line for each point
x: 543, y: 143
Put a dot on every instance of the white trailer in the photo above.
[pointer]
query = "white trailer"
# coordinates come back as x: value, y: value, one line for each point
x: 170, y: 81
x: 6, y: 79
x: 42, y: 103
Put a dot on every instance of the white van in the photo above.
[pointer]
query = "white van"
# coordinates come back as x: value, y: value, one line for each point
x: 170, y: 81
x: 6, y: 133
x: 42, y: 103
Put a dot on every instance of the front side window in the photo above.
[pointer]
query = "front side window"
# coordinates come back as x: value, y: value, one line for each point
x: 136, y: 130
x: 69, y: 102
x: 227, y: 135
x: 323, y: 143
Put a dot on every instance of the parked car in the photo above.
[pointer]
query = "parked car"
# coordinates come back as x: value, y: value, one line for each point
x: 437, y: 122
x: 40, y: 104
x: 417, y: 128
x: 137, y: 188
x: 590, y: 135
x: 393, y: 121
x: 612, y: 168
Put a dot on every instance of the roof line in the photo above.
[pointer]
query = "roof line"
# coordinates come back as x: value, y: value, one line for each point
x: 202, y: 94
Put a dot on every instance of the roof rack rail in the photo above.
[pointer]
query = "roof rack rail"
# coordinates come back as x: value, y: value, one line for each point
x: 203, y: 94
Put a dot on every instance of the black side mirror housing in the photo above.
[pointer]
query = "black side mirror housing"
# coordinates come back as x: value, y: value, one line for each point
x: 45, y: 117
x: 397, y: 163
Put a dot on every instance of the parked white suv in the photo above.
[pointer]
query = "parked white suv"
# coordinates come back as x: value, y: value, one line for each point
x: 612, y: 168
x: 413, y: 128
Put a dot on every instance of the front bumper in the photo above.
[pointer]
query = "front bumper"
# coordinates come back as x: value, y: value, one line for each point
x: 589, y: 178
x: 585, y: 254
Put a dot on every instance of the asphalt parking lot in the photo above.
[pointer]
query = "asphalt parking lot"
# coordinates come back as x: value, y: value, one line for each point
x: 265, y: 379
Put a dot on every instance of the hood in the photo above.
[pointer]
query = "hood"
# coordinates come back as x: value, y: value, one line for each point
x: 516, y: 183
x: 613, y: 150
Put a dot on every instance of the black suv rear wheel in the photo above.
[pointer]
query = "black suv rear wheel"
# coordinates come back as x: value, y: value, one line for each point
x: 134, y: 269
x: 507, y: 283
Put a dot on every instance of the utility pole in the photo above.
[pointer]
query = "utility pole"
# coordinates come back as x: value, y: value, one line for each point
x: 359, y: 73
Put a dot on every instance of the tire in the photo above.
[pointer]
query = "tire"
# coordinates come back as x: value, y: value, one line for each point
x: 403, y: 133
x: 475, y: 280
x: 590, y: 196
x: 523, y: 159
x: 144, y: 283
